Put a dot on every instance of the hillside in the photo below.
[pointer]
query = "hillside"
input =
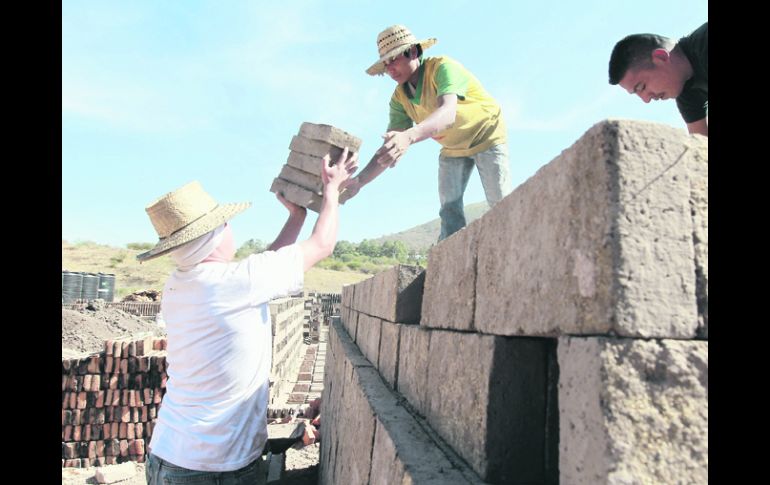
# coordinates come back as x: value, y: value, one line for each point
x: 130, y: 275
x: 425, y: 235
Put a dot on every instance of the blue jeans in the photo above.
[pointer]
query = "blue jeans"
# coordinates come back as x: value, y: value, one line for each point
x: 160, y: 472
x: 453, y: 176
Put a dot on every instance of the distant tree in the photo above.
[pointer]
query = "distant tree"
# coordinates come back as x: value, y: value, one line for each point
x: 344, y: 247
x: 252, y: 246
x: 140, y: 246
x: 394, y: 249
x: 369, y: 248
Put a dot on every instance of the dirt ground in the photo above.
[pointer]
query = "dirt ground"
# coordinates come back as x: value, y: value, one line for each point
x: 85, y: 331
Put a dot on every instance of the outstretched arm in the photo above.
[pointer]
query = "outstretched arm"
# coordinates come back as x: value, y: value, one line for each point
x: 291, y: 228
x: 321, y: 242
x: 700, y: 127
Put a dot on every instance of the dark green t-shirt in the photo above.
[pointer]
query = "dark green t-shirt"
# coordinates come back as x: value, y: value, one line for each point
x: 694, y: 98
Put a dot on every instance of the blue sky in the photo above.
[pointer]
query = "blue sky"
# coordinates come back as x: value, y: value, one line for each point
x: 159, y: 93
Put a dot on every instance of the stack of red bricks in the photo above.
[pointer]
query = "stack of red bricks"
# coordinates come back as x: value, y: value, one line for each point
x: 300, y: 178
x: 110, y: 402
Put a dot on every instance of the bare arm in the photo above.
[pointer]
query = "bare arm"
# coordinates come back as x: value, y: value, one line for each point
x: 701, y: 127
x: 291, y: 228
x: 321, y: 242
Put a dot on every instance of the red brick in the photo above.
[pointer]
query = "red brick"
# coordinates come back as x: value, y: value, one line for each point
x: 69, y: 450
x: 143, y: 414
x: 122, y: 430
x: 87, y: 382
x: 147, y: 394
x: 114, y: 430
x: 132, y: 349
x: 144, y: 363
x: 132, y: 398
x: 73, y: 401
x: 155, y: 345
x: 93, y: 364
x: 115, y: 398
x: 76, y: 433
x: 64, y: 382
x: 106, y: 431
x: 113, y: 382
x: 123, y: 366
x: 123, y: 381
x: 139, y: 430
x: 110, y: 460
x: 108, y: 362
x: 100, y: 399
x: 123, y: 448
x: 96, y: 382
x: 97, y: 432
x: 135, y: 415
x: 130, y: 431
x: 140, y: 459
x: 66, y: 417
x: 125, y: 414
x: 163, y: 382
x: 157, y: 396
x: 111, y: 448
x: 77, y: 416
x: 67, y: 433
x: 81, y: 400
x: 98, y: 461
x: 138, y: 380
x: 108, y: 347
x: 124, y: 349
x: 92, y: 449
x: 86, y: 432
x: 133, y: 365
x: 124, y: 399
x: 152, y: 412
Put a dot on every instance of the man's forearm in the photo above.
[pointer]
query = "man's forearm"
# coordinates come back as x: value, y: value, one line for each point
x: 321, y: 242
x: 438, y: 121
x: 290, y: 231
x: 371, y: 171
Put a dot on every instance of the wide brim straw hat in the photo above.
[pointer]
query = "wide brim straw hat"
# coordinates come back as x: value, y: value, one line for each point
x: 184, y: 215
x: 392, y: 42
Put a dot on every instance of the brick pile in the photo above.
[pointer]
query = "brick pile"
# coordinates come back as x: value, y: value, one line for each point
x: 300, y: 178
x: 110, y: 402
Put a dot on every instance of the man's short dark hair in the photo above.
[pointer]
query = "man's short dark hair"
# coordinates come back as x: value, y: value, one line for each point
x: 634, y: 51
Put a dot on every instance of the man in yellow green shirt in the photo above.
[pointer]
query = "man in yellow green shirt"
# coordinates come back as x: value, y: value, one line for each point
x: 438, y: 98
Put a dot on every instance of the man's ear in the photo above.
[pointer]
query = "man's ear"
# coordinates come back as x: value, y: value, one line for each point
x: 413, y: 52
x: 660, y: 56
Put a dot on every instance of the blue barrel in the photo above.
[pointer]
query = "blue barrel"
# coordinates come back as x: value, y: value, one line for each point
x: 106, y: 289
x: 90, y: 286
x: 71, y: 286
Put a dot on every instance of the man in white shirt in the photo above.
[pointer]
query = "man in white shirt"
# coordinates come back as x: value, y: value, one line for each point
x: 212, y: 426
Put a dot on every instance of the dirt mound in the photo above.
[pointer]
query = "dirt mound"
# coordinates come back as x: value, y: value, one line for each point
x: 86, y: 330
x: 143, y: 296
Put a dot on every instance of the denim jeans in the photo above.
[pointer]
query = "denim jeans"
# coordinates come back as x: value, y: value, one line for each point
x: 161, y: 472
x: 453, y: 176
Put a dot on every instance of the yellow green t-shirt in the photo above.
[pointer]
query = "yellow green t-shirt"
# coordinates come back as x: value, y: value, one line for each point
x: 479, y: 122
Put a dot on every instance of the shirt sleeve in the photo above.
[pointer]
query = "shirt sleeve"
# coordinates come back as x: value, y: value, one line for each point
x: 399, y: 120
x: 276, y: 273
x: 451, y: 79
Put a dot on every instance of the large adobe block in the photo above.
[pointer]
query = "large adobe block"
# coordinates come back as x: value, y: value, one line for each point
x: 487, y: 397
x: 368, y: 337
x: 598, y: 241
x: 296, y: 194
x: 633, y: 411
x: 330, y: 134
x: 371, y: 438
x: 306, y: 163
x: 413, y: 355
x: 315, y: 148
x: 388, y: 361
x: 699, y: 202
x: 449, y: 298
x: 394, y: 295
x: 306, y: 180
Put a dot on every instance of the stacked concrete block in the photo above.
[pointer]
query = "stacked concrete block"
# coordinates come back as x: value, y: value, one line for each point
x: 110, y: 402
x: 287, y: 318
x: 374, y: 439
x: 600, y: 240
x: 394, y: 295
x: 300, y: 179
x: 633, y: 411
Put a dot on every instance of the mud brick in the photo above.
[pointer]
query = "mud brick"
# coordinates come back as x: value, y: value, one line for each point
x: 157, y: 396
x: 123, y: 444
x: 66, y: 417
x: 117, y: 350
x: 99, y: 399
x: 81, y: 400
x: 304, y: 377
x: 96, y: 432
x: 306, y: 180
x: 330, y: 134
x: 76, y: 433
x: 297, y: 194
x: 113, y: 384
x: 111, y: 447
x: 90, y: 399
x: 67, y: 433
x: 69, y: 450
x: 93, y: 364
x: 124, y: 366
x: 135, y: 415
x: 125, y: 414
x: 122, y: 430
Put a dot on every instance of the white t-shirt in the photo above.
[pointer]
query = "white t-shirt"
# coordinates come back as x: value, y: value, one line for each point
x: 214, y: 412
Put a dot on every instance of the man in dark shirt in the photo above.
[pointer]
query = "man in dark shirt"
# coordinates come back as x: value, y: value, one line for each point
x: 654, y: 67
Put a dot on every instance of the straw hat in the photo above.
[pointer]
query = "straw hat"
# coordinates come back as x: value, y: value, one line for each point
x: 186, y: 214
x: 394, y: 41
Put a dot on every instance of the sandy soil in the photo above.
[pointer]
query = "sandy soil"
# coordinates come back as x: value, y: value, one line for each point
x: 85, y: 331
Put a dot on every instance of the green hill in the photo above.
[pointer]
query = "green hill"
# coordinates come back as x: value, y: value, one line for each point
x: 425, y: 235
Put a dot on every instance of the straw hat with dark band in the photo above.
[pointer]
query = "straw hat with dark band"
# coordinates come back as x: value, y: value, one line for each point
x: 184, y: 215
x: 392, y: 42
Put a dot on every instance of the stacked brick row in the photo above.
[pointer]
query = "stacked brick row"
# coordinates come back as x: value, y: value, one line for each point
x: 287, y: 316
x: 300, y: 178
x: 110, y: 402
x: 560, y: 338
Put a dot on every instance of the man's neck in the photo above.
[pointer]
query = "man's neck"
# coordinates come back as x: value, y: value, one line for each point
x: 681, y: 63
